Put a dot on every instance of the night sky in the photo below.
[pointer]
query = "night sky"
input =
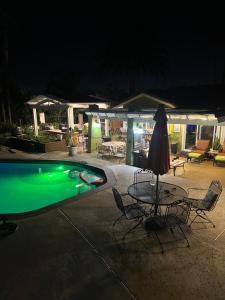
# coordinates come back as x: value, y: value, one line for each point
x: 44, y: 41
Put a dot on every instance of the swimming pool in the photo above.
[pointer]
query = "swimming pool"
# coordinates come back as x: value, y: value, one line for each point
x: 30, y: 187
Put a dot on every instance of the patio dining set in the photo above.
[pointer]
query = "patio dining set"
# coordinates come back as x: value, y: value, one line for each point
x: 173, y: 207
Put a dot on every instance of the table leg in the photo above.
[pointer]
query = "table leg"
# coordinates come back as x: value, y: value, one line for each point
x: 174, y: 171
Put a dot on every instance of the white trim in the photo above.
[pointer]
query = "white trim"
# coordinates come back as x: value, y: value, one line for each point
x: 214, y: 133
x: 168, y: 104
x: 183, y: 136
x: 87, y: 104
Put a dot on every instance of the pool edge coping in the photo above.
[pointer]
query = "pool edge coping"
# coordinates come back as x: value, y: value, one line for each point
x: 111, y: 181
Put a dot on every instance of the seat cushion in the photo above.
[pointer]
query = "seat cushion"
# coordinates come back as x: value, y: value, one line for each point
x: 220, y: 157
x: 194, y: 154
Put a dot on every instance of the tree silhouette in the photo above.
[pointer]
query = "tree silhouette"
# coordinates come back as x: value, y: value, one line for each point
x: 63, y: 83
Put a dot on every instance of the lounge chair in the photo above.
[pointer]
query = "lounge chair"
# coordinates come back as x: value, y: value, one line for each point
x: 220, y: 157
x: 199, y: 151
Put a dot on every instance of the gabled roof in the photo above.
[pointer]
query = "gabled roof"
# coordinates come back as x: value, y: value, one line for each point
x: 150, y: 102
x: 45, y: 100
x: 85, y: 102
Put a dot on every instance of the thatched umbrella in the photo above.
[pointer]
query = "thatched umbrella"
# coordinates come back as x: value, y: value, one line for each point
x: 158, y: 157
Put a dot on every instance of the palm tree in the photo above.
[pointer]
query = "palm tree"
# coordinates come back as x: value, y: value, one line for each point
x: 133, y: 51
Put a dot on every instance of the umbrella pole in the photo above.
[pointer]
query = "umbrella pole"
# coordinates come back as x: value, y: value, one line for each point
x: 157, y: 195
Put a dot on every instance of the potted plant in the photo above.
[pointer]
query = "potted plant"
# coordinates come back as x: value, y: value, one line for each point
x: 70, y: 142
x: 216, y: 145
x: 174, y: 142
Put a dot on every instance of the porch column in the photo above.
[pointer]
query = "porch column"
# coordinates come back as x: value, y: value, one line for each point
x: 80, y: 119
x: 222, y: 134
x: 90, y: 118
x: 198, y: 133
x: 42, y: 117
x: 183, y: 135
x: 217, y: 131
x: 130, y: 142
x: 106, y: 127
x: 125, y: 124
x: 70, y: 117
x: 35, y: 122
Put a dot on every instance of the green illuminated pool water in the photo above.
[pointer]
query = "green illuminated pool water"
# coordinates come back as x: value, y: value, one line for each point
x: 26, y: 187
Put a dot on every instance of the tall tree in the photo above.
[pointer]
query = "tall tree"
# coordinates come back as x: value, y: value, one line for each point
x: 5, y: 94
x: 134, y: 50
x: 63, y: 83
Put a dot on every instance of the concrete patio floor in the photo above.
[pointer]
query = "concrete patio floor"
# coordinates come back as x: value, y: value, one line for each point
x: 75, y: 253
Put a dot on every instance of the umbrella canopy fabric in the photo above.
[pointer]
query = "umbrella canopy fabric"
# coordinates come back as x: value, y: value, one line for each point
x: 158, y: 156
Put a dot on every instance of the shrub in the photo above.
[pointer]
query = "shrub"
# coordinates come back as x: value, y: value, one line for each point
x: 8, y: 128
x: 216, y: 144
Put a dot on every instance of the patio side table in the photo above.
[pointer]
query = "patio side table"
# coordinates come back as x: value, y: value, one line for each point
x: 211, y: 154
x: 175, y: 164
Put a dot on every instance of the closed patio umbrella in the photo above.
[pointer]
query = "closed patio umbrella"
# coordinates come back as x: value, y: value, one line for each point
x: 158, y: 156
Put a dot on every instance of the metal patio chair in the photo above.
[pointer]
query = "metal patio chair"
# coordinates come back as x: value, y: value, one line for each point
x: 207, y: 203
x: 145, y: 175
x: 129, y: 212
x: 176, y: 214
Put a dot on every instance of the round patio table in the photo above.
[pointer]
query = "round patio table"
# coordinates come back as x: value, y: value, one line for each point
x: 146, y: 193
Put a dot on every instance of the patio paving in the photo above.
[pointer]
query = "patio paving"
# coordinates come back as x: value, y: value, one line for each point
x: 75, y: 253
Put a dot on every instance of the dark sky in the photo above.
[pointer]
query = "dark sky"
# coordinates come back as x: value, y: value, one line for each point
x: 42, y: 41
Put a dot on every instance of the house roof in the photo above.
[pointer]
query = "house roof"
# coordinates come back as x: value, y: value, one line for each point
x: 46, y: 100
x: 79, y: 102
x: 143, y: 101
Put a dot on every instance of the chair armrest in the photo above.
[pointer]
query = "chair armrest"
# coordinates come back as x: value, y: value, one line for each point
x: 206, y: 150
x: 190, y: 201
x: 197, y: 189
x: 176, y: 202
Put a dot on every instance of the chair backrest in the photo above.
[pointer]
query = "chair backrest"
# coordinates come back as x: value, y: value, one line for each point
x: 223, y: 148
x: 143, y: 175
x: 212, y: 195
x: 202, y: 144
x: 118, y: 199
x: 179, y: 210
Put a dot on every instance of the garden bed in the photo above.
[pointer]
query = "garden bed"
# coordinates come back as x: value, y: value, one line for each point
x: 35, y: 146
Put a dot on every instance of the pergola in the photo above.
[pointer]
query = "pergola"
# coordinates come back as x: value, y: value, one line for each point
x: 175, y: 116
x: 50, y: 101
